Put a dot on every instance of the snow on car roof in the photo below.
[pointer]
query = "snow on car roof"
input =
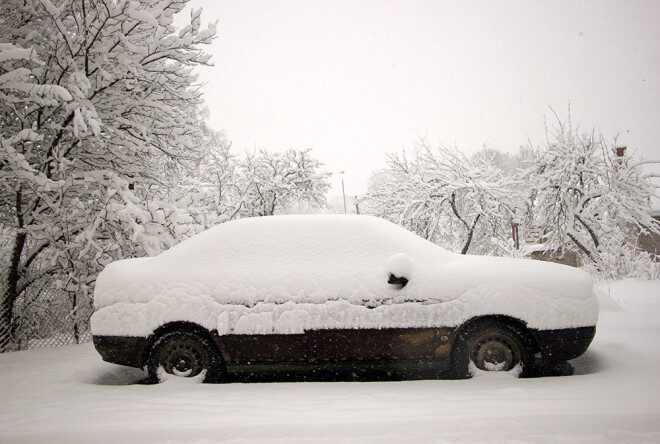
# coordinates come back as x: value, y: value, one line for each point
x: 300, y: 236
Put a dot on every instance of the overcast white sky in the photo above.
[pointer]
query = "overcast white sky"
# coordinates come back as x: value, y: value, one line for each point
x: 358, y: 79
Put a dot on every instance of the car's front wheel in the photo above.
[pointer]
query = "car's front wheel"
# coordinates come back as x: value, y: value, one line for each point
x: 185, y: 354
x: 491, y: 346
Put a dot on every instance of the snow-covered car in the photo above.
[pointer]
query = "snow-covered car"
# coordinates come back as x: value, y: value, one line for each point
x: 333, y: 292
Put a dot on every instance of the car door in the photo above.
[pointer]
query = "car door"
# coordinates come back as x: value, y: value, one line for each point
x: 266, y: 348
x: 371, y: 344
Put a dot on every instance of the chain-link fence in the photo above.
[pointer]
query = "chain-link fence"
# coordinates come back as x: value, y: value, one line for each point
x: 44, y: 316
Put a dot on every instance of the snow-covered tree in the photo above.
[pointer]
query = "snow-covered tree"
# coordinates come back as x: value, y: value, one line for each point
x: 276, y: 181
x: 98, y: 107
x: 213, y: 192
x: 588, y: 199
x: 445, y: 196
x: 225, y: 186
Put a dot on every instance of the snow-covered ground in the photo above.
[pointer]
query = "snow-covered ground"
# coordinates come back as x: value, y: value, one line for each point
x: 69, y: 395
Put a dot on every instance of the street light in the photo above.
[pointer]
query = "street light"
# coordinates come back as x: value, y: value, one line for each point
x: 343, y: 192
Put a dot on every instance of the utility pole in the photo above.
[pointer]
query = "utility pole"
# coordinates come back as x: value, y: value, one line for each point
x: 343, y: 192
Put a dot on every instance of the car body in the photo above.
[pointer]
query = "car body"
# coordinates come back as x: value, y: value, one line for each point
x: 336, y: 292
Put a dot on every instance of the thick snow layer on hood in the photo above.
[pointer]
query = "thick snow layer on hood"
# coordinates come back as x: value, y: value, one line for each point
x: 287, y: 274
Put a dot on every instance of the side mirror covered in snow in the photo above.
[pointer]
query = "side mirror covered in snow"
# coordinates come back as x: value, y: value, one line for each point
x: 399, y: 267
x: 396, y: 280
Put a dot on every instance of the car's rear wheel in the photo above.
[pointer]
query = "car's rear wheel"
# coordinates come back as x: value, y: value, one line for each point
x: 185, y: 354
x: 491, y: 346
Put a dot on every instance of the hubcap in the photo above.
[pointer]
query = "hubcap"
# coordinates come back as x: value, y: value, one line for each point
x: 494, y: 352
x: 182, y: 358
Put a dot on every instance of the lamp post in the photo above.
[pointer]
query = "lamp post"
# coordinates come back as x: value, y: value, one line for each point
x: 343, y: 192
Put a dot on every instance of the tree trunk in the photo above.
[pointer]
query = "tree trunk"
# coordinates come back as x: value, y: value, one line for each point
x: 74, y: 317
x: 584, y: 249
x: 466, y: 247
x: 11, y: 292
x: 590, y: 230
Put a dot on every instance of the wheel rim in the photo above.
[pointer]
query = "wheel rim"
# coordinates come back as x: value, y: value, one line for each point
x: 182, y: 358
x: 495, y: 351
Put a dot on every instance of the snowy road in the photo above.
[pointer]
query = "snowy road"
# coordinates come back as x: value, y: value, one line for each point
x: 69, y: 395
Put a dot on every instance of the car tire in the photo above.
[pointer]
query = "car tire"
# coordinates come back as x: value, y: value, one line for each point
x: 185, y: 354
x: 491, y: 346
